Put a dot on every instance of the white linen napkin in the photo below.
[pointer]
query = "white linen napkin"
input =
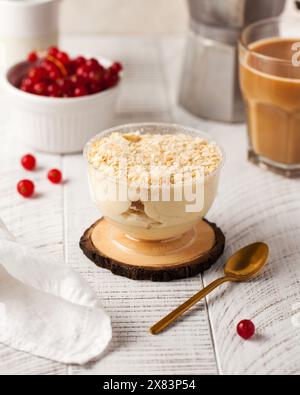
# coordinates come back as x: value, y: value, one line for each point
x: 47, y: 309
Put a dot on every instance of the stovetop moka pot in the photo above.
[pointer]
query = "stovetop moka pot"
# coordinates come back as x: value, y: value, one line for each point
x: 233, y: 13
x: 209, y: 84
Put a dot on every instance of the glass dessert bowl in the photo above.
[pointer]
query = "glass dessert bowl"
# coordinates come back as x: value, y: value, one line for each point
x: 153, y: 182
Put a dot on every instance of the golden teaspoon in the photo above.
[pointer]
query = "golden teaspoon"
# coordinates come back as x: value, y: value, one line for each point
x: 242, y: 266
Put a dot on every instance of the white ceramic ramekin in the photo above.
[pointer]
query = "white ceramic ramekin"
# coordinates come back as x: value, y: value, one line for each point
x: 58, y: 125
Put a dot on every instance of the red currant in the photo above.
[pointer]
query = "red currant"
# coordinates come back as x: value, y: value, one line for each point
x: 55, y: 176
x: 77, y: 80
x: 63, y: 57
x: 53, y: 90
x: 116, y: 67
x: 66, y: 87
x: 47, y: 65
x: 110, y: 79
x: 27, y: 85
x: 32, y: 57
x: 71, y: 68
x: 26, y: 89
x: 83, y: 72
x: 95, y: 76
x: 40, y: 89
x: 28, y: 162
x: 36, y: 74
x: 95, y: 88
x: 80, y: 91
x: 26, y: 188
x: 54, y: 74
x: 92, y: 64
x: 80, y: 61
x: 246, y: 329
x: 53, y: 51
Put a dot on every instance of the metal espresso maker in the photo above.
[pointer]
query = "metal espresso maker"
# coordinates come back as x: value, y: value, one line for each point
x: 209, y: 84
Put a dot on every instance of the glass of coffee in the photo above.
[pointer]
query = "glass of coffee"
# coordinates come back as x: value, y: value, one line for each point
x: 270, y: 82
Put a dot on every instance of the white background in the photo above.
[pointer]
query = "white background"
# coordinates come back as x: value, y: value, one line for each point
x: 126, y: 16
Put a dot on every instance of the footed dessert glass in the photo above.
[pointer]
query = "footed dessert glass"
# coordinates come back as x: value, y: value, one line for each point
x: 166, y: 201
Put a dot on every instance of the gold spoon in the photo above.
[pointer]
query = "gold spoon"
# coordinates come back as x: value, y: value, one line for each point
x: 242, y: 266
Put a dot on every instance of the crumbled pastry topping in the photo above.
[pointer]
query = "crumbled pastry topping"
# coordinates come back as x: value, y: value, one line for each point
x: 178, y: 153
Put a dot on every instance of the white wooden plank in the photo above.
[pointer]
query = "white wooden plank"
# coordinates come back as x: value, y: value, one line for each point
x: 36, y: 222
x: 134, y: 306
x: 246, y: 194
x: 255, y: 205
x: 252, y: 205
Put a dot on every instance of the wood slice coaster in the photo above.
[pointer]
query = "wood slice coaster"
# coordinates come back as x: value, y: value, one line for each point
x: 183, y: 257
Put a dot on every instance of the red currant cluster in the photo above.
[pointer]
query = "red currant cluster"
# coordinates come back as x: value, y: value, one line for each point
x: 26, y: 188
x: 55, y: 74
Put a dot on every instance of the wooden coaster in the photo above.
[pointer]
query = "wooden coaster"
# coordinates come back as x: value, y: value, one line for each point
x: 183, y: 257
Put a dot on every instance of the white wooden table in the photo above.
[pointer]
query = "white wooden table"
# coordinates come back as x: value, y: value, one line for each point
x: 252, y: 205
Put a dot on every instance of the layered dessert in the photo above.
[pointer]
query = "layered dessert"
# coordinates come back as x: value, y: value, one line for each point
x: 152, y: 185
